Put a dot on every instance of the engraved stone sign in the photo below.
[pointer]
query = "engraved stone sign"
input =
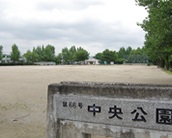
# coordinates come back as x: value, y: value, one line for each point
x: 136, y: 106
x: 113, y: 111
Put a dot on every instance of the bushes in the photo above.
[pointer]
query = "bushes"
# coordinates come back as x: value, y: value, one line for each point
x: 15, y: 64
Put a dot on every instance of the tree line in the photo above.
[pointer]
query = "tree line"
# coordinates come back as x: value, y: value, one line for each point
x: 158, y: 28
x: 124, y: 55
x: 15, y: 54
x: 75, y: 55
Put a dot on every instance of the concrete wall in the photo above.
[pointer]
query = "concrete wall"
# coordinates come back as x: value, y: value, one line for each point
x: 70, y: 129
x: 67, y: 120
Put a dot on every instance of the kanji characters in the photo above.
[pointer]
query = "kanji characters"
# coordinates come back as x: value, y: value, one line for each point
x: 116, y: 112
x: 64, y: 104
x: 164, y: 116
x: 94, y: 109
x: 72, y: 104
x: 80, y: 105
x: 139, y: 117
x: 137, y: 114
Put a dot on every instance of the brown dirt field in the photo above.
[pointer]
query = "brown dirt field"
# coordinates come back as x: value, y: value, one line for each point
x: 23, y: 91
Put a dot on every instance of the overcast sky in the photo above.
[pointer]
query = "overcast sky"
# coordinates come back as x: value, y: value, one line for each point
x: 94, y: 25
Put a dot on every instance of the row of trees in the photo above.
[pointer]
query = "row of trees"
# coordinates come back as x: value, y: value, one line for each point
x: 40, y: 53
x: 1, y: 49
x: 67, y: 56
x: 158, y: 27
x: 47, y: 54
x: 124, y: 55
x: 74, y: 55
x: 15, y: 54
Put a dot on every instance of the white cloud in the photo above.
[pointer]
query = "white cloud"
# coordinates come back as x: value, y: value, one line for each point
x: 93, y: 24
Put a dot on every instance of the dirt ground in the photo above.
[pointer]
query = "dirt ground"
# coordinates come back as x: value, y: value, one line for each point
x: 23, y: 91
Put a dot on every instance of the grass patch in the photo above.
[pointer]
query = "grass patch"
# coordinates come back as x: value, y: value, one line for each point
x: 168, y: 72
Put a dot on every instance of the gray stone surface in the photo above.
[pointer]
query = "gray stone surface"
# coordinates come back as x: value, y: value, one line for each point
x: 113, y: 90
x: 136, y: 110
x: 75, y: 129
x: 146, y: 110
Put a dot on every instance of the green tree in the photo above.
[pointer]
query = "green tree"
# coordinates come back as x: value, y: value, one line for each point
x: 1, y: 52
x: 39, y: 53
x: 49, y: 53
x: 35, y: 55
x: 72, y: 52
x: 122, y: 53
x: 128, y: 51
x: 68, y: 55
x: 158, y: 26
x: 29, y: 57
x: 109, y: 56
x: 138, y: 56
x: 15, y: 54
x: 99, y: 56
x: 65, y: 55
x: 58, y: 59
x: 81, y: 54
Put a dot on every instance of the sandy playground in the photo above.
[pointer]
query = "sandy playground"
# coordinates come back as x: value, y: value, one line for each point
x: 23, y: 91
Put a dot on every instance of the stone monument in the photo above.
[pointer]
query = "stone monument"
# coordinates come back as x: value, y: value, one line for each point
x: 85, y: 109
